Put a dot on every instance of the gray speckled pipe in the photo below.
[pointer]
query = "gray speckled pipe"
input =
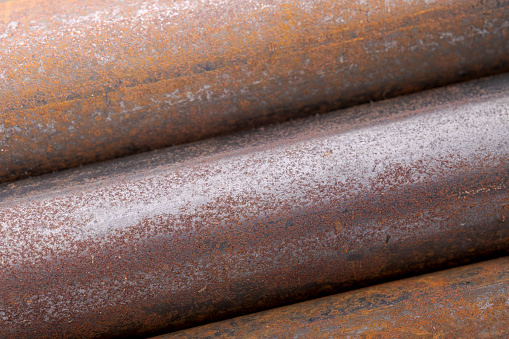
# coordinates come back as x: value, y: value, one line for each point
x: 199, y: 232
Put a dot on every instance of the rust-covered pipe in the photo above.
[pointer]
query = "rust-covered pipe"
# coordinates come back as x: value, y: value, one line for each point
x: 88, y: 80
x: 465, y: 302
x: 199, y: 232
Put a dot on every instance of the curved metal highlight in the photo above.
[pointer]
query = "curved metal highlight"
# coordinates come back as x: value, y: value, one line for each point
x: 200, y: 232
x: 88, y: 80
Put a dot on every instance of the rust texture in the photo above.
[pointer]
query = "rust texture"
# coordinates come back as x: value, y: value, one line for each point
x: 89, y: 80
x: 200, y: 232
x: 466, y: 302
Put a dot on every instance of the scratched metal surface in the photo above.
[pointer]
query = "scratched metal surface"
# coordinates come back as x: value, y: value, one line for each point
x: 89, y: 80
x: 200, y: 232
x: 467, y: 302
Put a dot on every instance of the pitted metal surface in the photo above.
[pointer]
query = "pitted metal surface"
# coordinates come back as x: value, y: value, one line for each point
x: 196, y: 233
x: 84, y: 81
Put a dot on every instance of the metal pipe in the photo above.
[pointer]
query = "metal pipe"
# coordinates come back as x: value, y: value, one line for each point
x: 204, y: 231
x: 466, y: 302
x: 88, y: 80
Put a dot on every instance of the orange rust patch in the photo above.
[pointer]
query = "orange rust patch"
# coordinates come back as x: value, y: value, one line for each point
x: 83, y: 81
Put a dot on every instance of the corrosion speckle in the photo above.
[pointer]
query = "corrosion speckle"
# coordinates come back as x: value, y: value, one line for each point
x: 258, y: 219
x: 87, y: 80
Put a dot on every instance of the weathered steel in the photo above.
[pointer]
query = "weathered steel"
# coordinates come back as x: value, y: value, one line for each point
x: 466, y: 302
x: 88, y: 80
x: 236, y: 224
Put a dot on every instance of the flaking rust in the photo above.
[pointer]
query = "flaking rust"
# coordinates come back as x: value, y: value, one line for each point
x: 200, y: 232
x: 84, y: 81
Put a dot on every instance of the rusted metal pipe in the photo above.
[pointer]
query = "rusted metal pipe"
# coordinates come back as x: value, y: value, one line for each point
x: 465, y: 302
x: 89, y: 80
x: 199, y: 232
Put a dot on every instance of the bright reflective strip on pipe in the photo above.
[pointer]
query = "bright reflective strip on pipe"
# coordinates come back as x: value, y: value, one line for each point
x: 209, y: 230
x: 88, y: 80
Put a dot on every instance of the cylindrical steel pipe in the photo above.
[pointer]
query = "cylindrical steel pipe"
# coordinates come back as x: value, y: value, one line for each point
x: 88, y: 80
x: 465, y: 302
x: 200, y: 232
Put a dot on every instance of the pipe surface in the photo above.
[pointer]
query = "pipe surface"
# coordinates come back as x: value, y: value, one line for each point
x: 88, y: 80
x: 201, y: 232
x: 465, y: 302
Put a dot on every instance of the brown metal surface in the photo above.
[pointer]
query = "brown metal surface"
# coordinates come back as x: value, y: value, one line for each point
x: 199, y: 232
x: 88, y: 80
x: 466, y: 302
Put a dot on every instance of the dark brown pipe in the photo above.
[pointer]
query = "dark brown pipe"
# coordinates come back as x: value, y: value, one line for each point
x: 466, y: 302
x: 200, y: 232
x: 88, y: 80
